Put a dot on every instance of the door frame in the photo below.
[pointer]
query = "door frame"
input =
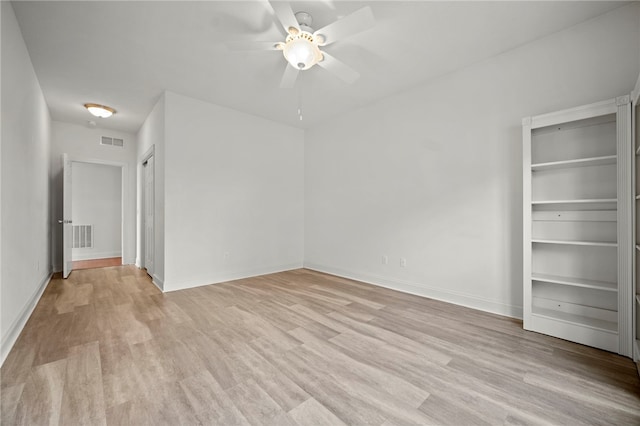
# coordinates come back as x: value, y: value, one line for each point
x: 124, y: 191
x: 142, y: 212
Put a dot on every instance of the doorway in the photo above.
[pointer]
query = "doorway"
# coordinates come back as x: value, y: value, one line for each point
x: 94, y: 204
x: 96, y: 193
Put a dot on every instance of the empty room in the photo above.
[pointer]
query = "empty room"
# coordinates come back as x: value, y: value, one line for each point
x: 325, y: 212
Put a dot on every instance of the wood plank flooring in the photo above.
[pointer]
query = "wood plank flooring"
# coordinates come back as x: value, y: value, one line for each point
x: 96, y: 263
x: 294, y: 348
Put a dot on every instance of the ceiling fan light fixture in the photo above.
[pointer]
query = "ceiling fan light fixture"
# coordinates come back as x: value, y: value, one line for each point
x: 101, y: 111
x: 301, y: 51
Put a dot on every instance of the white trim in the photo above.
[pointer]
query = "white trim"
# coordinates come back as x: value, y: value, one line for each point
x: 635, y: 98
x: 92, y: 256
x: 456, y: 298
x: 623, y: 100
x: 574, y: 114
x: 128, y: 261
x: 231, y: 276
x: 140, y: 210
x: 635, y: 94
x: 626, y: 252
x: 148, y: 154
x: 526, y: 218
x: 9, y: 339
x: 124, y: 192
x: 579, y: 333
x: 157, y: 282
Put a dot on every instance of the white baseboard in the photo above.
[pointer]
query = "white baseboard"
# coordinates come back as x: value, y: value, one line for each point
x: 18, y: 324
x: 128, y: 261
x: 457, y: 298
x: 58, y: 268
x: 157, y: 282
x: 231, y: 276
x: 97, y: 255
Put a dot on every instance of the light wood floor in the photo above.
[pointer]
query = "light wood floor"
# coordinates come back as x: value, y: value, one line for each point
x: 295, y: 348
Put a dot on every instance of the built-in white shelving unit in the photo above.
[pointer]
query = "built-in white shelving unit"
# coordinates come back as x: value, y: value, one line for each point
x: 576, y: 282
x: 592, y: 201
x: 576, y: 243
x: 580, y: 162
x: 577, y: 222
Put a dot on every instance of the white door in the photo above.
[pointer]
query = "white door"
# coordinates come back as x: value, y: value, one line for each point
x: 148, y: 215
x: 67, y: 231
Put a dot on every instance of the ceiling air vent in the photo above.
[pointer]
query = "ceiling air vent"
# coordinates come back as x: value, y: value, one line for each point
x: 106, y: 140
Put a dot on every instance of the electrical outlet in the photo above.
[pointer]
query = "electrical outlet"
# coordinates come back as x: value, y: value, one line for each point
x: 385, y: 259
x: 403, y: 262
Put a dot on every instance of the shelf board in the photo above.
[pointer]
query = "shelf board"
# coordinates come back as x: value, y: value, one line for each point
x: 638, y: 299
x: 575, y: 243
x: 638, y: 247
x: 581, y: 162
x: 584, y: 201
x: 576, y: 282
x: 638, y: 151
x: 638, y: 197
x: 599, y: 324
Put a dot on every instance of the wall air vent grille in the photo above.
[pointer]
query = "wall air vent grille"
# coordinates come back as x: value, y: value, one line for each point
x: 106, y: 140
x: 82, y: 236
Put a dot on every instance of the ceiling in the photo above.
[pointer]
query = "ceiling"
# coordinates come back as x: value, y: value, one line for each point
x: 125, y: 54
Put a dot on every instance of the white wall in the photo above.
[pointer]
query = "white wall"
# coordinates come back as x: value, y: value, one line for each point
x: 26, y: 135
x: 151, y: 136
x: 234, y: 194
x: 433, y: 175
x: 83, y: 143
x: 97, y: 200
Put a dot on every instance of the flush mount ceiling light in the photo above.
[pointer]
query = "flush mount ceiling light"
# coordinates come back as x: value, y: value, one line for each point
x: 101, y: 111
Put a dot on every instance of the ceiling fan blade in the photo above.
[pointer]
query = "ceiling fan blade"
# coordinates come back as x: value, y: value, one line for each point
x: 289, y: 77
x: 339, y: 68
x: 358, y: 21
x: 285, y: 15
x: 251, y: 45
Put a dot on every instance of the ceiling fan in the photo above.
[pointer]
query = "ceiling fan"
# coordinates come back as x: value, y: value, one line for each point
x: 301, y: 47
